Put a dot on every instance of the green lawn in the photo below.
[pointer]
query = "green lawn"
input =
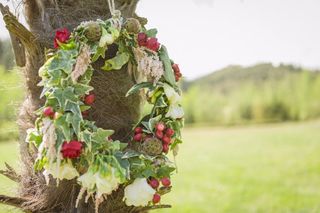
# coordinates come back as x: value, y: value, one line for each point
x: 267, y: 168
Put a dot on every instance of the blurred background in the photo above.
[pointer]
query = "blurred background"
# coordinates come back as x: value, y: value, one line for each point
x: 252, y: 100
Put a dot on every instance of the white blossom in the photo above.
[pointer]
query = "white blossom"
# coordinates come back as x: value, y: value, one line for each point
x: 102, y: 184
x: 139, y: 193
x: 62, y: 171
x: 175, y: 110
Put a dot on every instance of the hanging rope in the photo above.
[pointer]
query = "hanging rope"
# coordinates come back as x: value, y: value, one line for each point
x: 112, y: 7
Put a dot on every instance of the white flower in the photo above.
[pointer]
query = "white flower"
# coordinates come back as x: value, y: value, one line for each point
x: 105, y: 185
x: 139, y: 193
x: 102, y: 184
x: 63, y: 171
x: 175, y: 110
x: 88, y: 180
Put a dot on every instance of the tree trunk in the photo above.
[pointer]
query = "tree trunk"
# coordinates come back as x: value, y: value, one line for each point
x: 110, y: 111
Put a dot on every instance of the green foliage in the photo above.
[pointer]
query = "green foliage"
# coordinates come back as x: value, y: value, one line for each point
x: 117, y: 62
x: 168, y: 72
x: 6, y: 54
x: 11, y: 94
x: 262, y: 93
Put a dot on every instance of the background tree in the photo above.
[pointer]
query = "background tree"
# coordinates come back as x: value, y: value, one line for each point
x: 112, y: 110
x: 6, y: 55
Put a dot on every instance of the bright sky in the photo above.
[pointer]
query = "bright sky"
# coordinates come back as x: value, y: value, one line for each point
x: 205, y: 35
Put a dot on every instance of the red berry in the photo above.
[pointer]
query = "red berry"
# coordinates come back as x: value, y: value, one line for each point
x: 71, y: 149
x: 142, y: 39
x: 169, y: 132
x: 89, y: 99
x: 85, y: 113
x: 138, y: 130
x: 160, y: 126
x: 48, y: 112
x: 153, y: 44
x: 156, y: 198
x: 176, y: 68
x: 159, y: 134
x: 166, y: 181
x: 154, y: 183
x: 137, y: 137
x: 166, y: 140
x: 165, y: 148
x: 176, y: 71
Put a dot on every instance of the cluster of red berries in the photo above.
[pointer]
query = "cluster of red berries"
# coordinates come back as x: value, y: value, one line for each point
x: 164, y: 134
x: 176, y: 71
x: 154, y: 183
x: 150, y: 43
x: 161, y: 132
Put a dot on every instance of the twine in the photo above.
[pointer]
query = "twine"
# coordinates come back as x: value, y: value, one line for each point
x: 112, y: 8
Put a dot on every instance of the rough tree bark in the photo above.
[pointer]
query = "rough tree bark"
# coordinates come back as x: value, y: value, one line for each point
x: 111, y: 110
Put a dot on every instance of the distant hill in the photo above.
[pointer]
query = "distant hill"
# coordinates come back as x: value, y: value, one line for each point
x: 259, y: 93
x: 231, y: 77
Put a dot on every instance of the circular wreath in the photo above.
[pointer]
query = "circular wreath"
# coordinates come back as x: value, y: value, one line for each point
x: 70, y: 146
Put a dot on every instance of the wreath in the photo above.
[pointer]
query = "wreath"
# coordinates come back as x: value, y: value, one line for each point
x: 71, y: 147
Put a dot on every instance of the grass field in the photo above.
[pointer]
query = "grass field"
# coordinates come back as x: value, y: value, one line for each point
x: 267, y: 168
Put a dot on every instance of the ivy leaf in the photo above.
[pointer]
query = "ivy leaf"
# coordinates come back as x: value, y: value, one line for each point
x: 152, y: 32
x: 55, y: 79
x: 101, y: 135
x: 64, y: 95
x: 44, y: 91
x: 168, y: 72
x: 101, y: 51
x: 146, y: 125
x: 63, y: 126
x: 165, y: 171
x: 130, y: 154
x: 148, y: 172
x: 34, y: 137
x: 160, y: 102
x: 73, y: 107
x: 123, y: 162
x: 117, y: 62
x: 137, y: 87
x: 75, y: 121
x: 85, y: 136
x: 114, y: 145
x: 81, y: 89
x: 64, y: 60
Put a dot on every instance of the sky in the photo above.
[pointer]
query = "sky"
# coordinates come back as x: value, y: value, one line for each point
x: 205, y: 35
